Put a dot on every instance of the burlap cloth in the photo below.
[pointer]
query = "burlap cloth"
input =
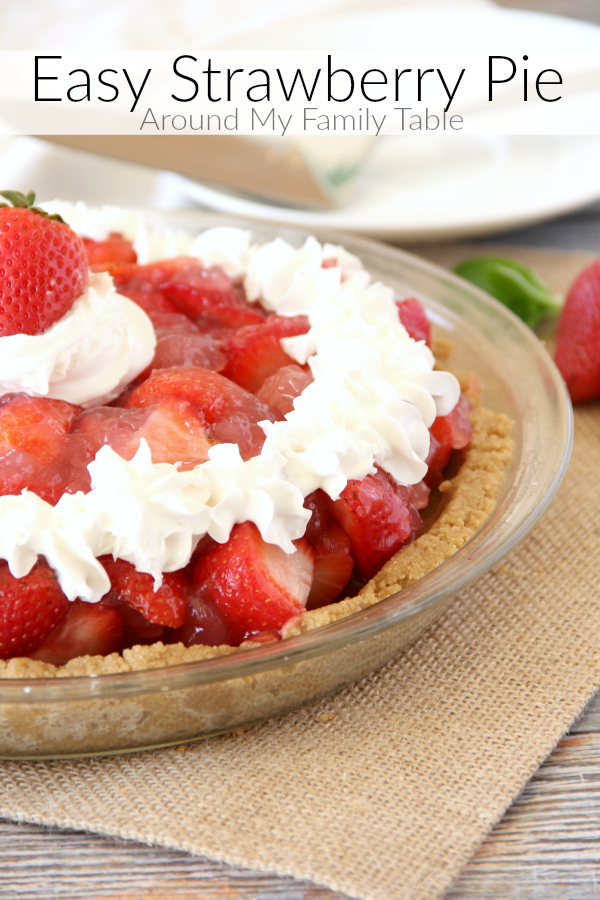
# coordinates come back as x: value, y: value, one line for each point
x: 385, y: 790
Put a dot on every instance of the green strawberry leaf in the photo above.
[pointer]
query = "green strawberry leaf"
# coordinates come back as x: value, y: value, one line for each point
x: 17, y: 199
x: 514, y: 284
x: 26, y: 201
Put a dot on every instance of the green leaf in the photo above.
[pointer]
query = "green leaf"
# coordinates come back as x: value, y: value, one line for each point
x: 514, y: 284
x: 26, y: 201
x: 16, y: 198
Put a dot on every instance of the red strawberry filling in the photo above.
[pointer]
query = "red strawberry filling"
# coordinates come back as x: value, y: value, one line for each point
x: 219, y: 369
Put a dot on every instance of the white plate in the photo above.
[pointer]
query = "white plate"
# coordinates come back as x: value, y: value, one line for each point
x: 423, y: 189
x: 427, y: 27
x: 428, y: 187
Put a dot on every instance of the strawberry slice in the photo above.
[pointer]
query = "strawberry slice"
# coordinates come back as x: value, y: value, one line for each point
x: 179, y: 342
x: 333, y: 566
x: 136, y: 628
x: 174, y: 430
x: 256, y: 585
x: 448, y: 433
x: 231, y: 412
x: 112, y: 252
x: 166, y: 606
x: 255, y: 352
x: 151, y: 301
x: 210, y: 392
x: 142, y: 285
x: 30, y: 609
x: 578, y: 336
x: 208, y: 292
x: 412, y: 315
x: 318, y: 503
x: 34, y: 425
x: 204, y: 624
x: 89, y: 629
x: 32, y: 432
x: 281, y: 389
x: 378, y: 517
x: 183, y: 285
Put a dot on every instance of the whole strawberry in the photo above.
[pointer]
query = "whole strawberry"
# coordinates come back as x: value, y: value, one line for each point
x: 43, y: 266
x: 578, y: 338
x: 30, y: 609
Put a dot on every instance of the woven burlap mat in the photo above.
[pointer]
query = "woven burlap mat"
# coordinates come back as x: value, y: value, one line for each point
x: 386, y: 789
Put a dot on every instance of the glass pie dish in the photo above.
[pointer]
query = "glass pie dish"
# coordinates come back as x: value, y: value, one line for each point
x: 59, y: 717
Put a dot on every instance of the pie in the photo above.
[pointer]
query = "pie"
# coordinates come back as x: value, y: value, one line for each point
x: 221, y: 444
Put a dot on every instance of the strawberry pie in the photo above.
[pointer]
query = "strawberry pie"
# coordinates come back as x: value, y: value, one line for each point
x: 207, y: 442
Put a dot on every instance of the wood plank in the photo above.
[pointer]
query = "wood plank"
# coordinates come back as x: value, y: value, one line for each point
x: 547, y: 846
x: 38, y: 864
x: 589, y: 721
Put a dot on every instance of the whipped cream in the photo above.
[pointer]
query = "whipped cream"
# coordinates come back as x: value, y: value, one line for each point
x: 374, y: 395
x: 101, y: 344
x: 149, y: 242
x: 149, y: 514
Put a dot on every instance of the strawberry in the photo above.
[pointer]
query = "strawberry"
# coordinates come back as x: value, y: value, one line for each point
x: 136, y: 628
x: 32, y: 432
x: 175, y: 432
x: 231, y: 412
x: 412, y: 315
x: 30, y: 609
x: 578, y: 337
x: 151, y: 301
x: 48, y: 482
x: 208, y: 292
x: 333, y: 566
x: 142, y: 285
x: 33, y: 424
x: 89, y: 629
x: 255, y: 352
x: 204, y: 624
x: 179, y: 342
x: 379, y: 518
x: 256, y: 585
x: 318, y: 503
x: 165, y: 606
x: 43, y: 266
x: 448, y: 433
x: 173, y: 428
x: 281, y: 389
x: 110, y: 253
